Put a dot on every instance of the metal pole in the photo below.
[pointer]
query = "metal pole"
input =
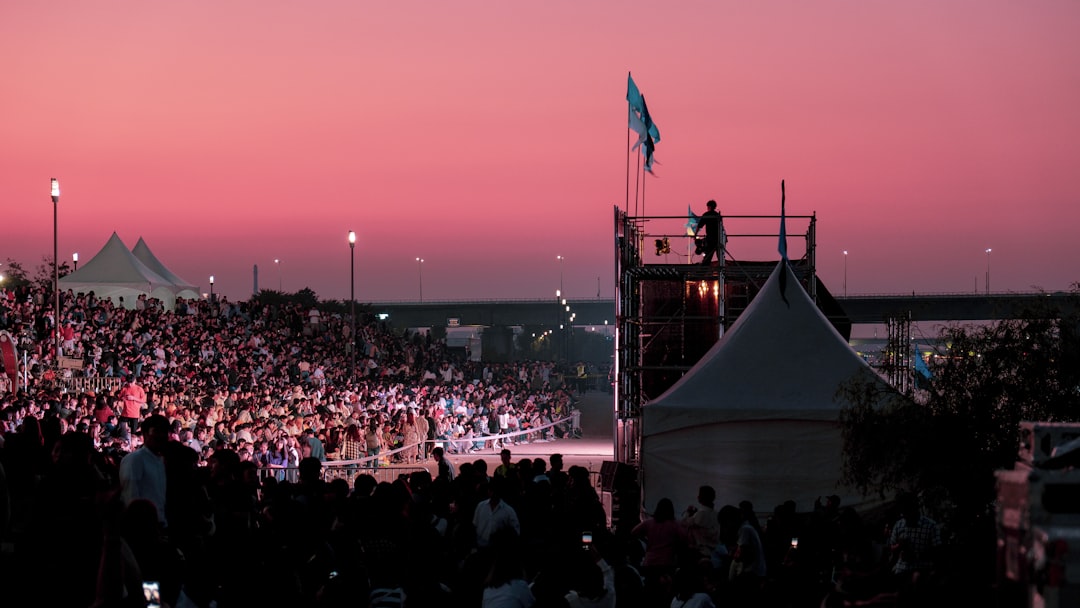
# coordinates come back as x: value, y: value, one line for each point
x: 988, y: 270
x: 352, y: 303
x: 420, y: 274
x: 560, y: 258
x: 56, y: 269
x: 845, y: 273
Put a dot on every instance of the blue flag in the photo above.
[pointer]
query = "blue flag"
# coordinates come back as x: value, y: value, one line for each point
x: 641, y: 122
x: 692, y: 222
x: 920, y: 365
x: 645, y: 141
x: 646, y: 118
x: 633, y: 95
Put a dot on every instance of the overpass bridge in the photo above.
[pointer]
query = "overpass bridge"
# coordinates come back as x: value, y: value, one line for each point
x: 860, y: 309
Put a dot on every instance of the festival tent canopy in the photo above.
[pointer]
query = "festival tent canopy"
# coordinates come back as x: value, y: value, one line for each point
x: 116, y: 273
x: 757, y: 416
x: 184, y: 289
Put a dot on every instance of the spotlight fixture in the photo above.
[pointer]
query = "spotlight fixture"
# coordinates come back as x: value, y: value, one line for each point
x: 662, y: 246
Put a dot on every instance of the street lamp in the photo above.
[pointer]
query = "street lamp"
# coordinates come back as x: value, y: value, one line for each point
x: 988, y: 270
x: 560, y: 258
x: 420, y: 273
x: 845, y: 273
x: 277, y: 264
x: 54, y: 193
x: 567, y: 334
x: 352, y: 303
x: 75, y: 258
x: 211, y: 289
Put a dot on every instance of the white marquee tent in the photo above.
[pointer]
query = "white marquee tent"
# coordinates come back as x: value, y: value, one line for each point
x: 184, y: 289
x: 757, y: 417
x: 116, y: 273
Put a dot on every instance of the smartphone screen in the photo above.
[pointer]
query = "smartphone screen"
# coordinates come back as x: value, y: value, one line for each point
x: 586, y: 539
x: 152, y: 594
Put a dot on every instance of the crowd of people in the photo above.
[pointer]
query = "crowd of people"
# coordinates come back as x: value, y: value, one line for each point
x: 256, y: 378
x: 199, y: 475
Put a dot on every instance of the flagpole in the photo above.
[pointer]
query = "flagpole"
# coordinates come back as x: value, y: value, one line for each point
x: 644, y: 181
x: 626, y: 206
x: 637, y: 186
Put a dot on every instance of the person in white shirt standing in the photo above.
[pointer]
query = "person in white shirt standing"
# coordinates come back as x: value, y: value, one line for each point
x: 142, y: 472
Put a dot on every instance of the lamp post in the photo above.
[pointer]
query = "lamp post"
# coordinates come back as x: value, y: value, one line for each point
x: 420, y: 273
x: 352, y: 303
x: 558, y: 322
x: 560, y: 258
x: 75, y: 258
x: 566, y: 334
x: 845, y: 273
x: 54, y: 193
x: 988, y: 270
x: 211, y: 289
x: 277, y: 264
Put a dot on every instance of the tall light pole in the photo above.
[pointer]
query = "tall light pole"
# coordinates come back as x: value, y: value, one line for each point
x: 558, y: 321
x: 420, y: 273
x: 54, y: 193
x: 277, y: 264
x: 845, y: 273
x: 560, y: 258
x: 352, y: 304
x: 566, y: 335
x: 211, y: 289
x: 75, y: 258
x: 988, y: 270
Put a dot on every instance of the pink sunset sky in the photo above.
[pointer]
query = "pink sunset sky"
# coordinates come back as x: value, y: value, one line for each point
x: 490, y: 137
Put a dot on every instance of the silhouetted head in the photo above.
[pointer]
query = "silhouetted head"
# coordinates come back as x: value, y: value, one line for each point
x: 707, y: 496
x: 665, y: 510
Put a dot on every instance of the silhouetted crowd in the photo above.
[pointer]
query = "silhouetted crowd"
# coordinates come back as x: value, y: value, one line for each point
x: 172, y: 481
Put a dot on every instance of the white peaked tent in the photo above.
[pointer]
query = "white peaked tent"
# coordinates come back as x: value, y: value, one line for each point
x: 182, y: 287
x: 116, y: 273
x: 757, y: 417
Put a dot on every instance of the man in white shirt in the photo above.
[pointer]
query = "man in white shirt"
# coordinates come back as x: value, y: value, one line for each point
x: 494, y: 515
x: 142, y: 472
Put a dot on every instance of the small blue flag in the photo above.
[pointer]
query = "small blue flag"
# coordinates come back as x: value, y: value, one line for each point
x: 692, y: 222
x: 633, y: 95
x: 646, y: 118
x: 645, y: 141
x: 920, y: 365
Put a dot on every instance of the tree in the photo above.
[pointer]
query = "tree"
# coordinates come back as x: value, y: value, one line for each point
x: 306, y: 297
x: 14, y: 274
x: 986, y: 381
x: 43, y: 275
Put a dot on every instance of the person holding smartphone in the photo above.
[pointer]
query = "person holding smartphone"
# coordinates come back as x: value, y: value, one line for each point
x: 594, y: 583
x: 701, y: 523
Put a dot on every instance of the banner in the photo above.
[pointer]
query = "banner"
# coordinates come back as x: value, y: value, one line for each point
x: 9, y: 358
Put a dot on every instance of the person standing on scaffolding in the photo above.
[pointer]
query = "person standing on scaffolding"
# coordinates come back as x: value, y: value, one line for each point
x: 714, y: 239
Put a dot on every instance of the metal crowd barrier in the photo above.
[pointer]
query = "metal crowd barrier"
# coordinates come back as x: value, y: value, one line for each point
x: 389, y: 471
x: 373, y: 461
x: 97, y: 384
x: 384, y: 473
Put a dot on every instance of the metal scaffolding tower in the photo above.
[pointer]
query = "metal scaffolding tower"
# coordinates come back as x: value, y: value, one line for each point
x: 670, y: 311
